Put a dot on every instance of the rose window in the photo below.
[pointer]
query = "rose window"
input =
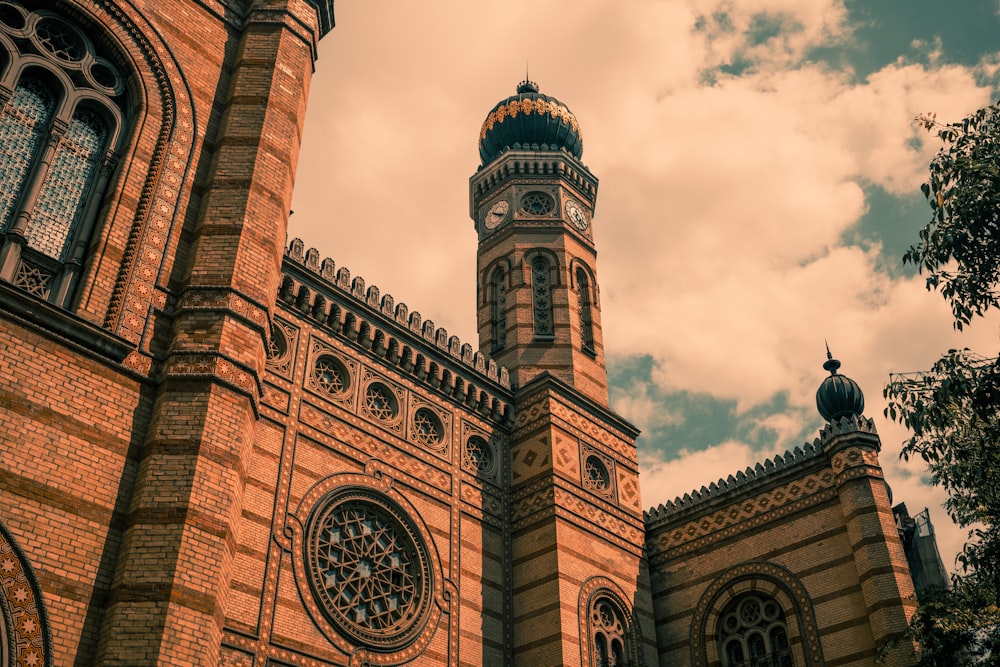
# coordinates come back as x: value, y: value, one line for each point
x: 537, y: 203
x: 380, y: 402
x: 331, y: 376
x: 368, y: 568
x: 427, y: 428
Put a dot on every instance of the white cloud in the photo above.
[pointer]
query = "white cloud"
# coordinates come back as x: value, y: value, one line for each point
x: 721, y: 208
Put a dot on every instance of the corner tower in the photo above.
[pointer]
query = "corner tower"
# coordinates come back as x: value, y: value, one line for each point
x: 532, y: 201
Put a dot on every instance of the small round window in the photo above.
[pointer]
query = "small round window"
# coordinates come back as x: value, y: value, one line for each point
x: 479, y: 456
x: 331, y: 376
x: 537, y: 203
x: 380, y: 403
x: 427, y: 429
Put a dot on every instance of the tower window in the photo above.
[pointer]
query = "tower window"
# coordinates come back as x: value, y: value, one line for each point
x: 498, y: 309
x: 58, y: 127
x: 586, y: 316
x: 752, y: 631
x: 609, y: 632
x: 541, y: 281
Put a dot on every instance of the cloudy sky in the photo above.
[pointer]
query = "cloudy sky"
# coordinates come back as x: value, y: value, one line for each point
x: 760, y: 174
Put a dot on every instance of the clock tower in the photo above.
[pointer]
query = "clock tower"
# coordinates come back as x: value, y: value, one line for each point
x: 575, y: 524
x: 532, y: 201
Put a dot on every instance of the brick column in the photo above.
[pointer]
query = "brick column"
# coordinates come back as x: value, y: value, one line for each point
x: 168, y: 599
x: 852, y: 446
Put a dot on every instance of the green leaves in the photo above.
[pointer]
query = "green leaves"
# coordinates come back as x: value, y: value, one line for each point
x: 963, y: 192
x: 953, y: 412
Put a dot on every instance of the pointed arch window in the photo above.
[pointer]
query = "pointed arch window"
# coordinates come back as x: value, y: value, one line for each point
x: 752, y: 632
x: 585, y: 300
x: 610, y: 635
x: 498, y: 309
x: 541, y: 284
x: 60, y: 122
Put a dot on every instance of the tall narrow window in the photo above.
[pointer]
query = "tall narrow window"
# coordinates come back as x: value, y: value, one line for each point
x: 586, y: 317
x: 58, y: 129
x: 541, y: 283
x: 609, y: 633
x: 498, y: 309
x: 24, y: 122
x: 752, y: 631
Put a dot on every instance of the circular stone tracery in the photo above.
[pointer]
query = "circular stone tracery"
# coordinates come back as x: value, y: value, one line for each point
x: 368, y: 568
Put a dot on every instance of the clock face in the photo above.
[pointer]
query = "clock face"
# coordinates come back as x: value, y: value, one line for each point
x: 576, y: 215
x: 497, y: 214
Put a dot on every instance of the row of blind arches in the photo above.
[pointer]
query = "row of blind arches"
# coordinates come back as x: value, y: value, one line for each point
x: 60, y: 120
x: 541, y: 286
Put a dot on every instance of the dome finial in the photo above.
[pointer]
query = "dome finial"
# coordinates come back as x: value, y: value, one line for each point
x: 838, y: 396
x: 830, y: 364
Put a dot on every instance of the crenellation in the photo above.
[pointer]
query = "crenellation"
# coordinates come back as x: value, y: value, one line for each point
x: 759, y: 473
x: 319, y: 307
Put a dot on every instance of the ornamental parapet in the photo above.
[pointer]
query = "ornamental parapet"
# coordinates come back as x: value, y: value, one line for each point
x: 362, y: 315
x: 745, y: 481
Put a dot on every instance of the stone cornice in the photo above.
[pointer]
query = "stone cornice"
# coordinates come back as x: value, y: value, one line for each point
x: 62, y: 326
x: 362, y: 316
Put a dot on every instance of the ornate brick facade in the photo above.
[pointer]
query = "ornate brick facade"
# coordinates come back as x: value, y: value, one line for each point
x: 217, y: 449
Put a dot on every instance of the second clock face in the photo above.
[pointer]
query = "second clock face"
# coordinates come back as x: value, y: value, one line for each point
x: 576, y: 215
x: 497, y: 214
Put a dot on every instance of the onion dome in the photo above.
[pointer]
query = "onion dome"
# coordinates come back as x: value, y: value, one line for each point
x: 529, y: 120
x: 839, y: 395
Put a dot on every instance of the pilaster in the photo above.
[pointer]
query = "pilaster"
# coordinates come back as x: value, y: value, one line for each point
x: 852, y: 446
x: 168, y: 596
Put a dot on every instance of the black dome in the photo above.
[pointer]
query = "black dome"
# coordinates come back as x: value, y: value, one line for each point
x: 839, y: 395
x: 529, y: 120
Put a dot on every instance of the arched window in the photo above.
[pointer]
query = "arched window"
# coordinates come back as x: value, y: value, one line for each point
x: 609, y: 631
x: 586, y: 317
x: 541, y: 283
x: 61, y: 118
x: 752, y: 633
x: 498, y: 309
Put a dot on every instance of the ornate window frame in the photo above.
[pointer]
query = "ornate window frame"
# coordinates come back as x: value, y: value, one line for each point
x: 585, y: 308
x: 378, y: 488
x: 543, y: 270
x: 44, y: 235
x: 768, y: 580
x: 600, y: 594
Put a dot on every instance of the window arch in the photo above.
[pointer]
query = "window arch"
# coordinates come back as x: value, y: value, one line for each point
x: 61, y: 120
x: 541, y: 285
x: 498, y: 308
x: 609, y: 632
x: 752, y: 632
x: 585, y: 301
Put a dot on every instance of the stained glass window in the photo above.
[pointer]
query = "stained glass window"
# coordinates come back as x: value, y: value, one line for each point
x: 56, y: 129
x: 61, y: 200
x: 24, y: 123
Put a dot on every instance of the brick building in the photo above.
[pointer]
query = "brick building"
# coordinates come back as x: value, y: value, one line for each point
x: 216, y: 448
